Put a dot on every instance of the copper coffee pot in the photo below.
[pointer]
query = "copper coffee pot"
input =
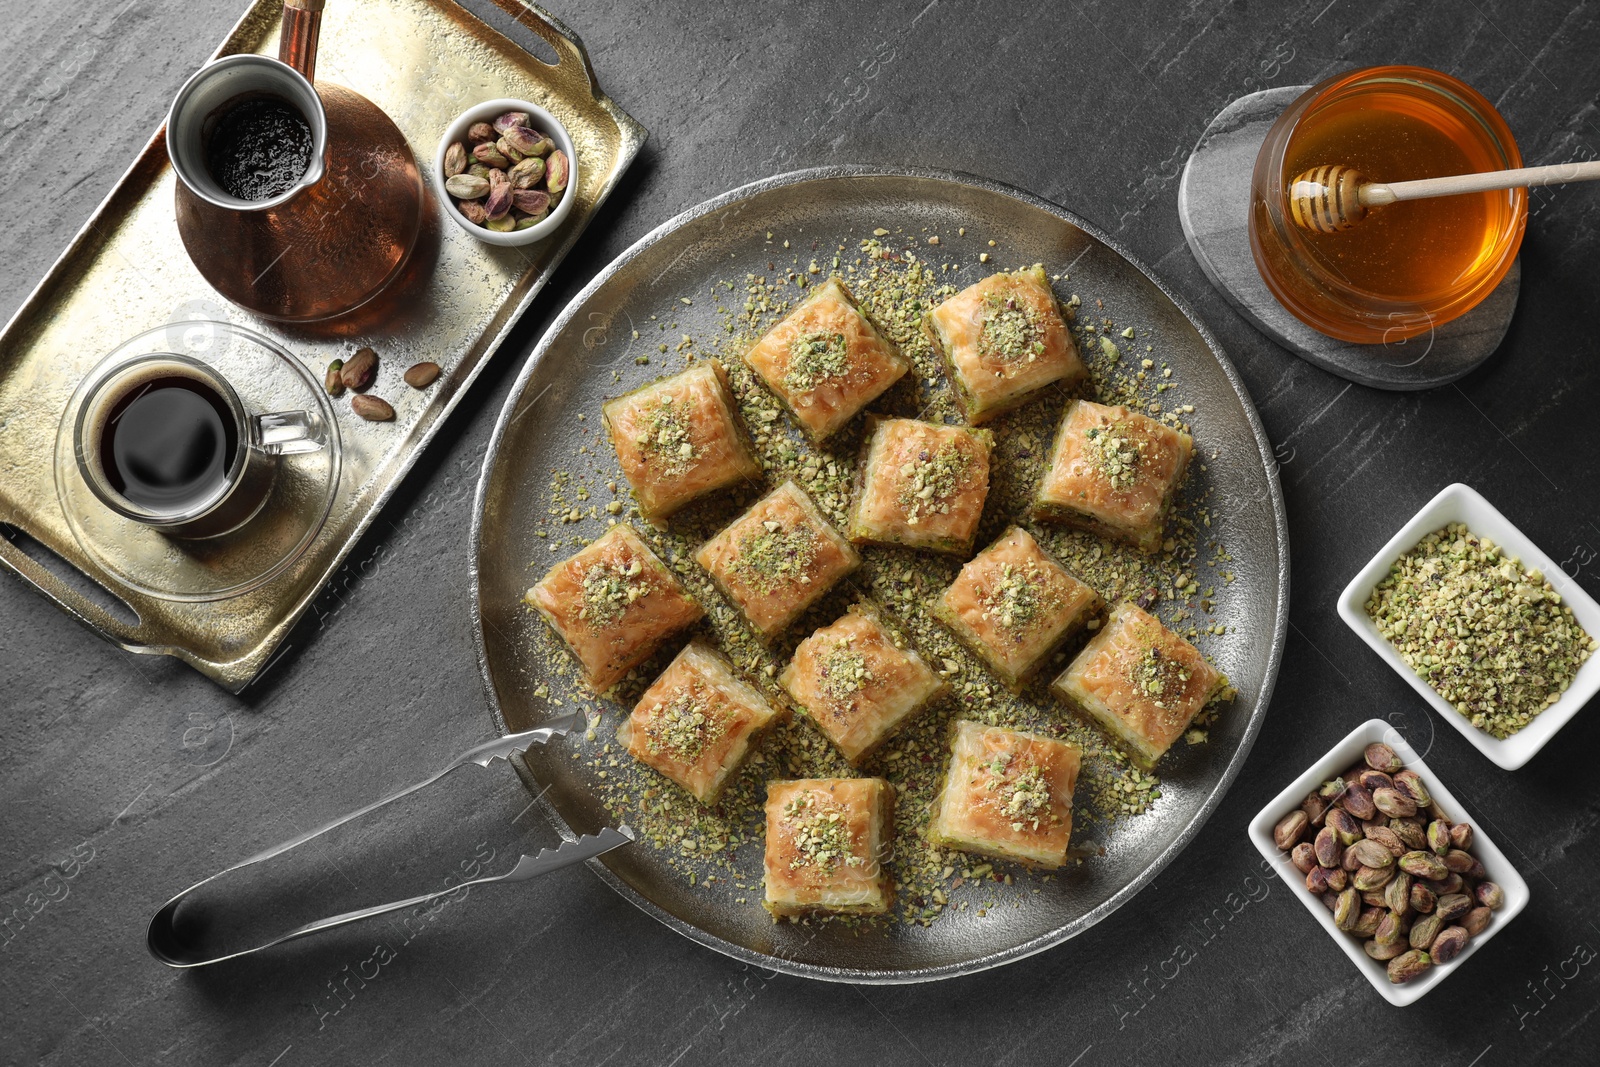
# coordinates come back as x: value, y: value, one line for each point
x: 335, y: 239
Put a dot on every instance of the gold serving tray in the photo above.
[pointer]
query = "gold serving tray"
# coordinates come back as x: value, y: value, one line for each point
x: 423, y: 62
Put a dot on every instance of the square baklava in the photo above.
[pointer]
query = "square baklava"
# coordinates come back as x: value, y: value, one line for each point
x: 826, y: 360
x: 1007, y: 794
x: 1013, y: 605
x: 614, y: 604
x: 698, y: 722
x: 777, y: 559
x: 1113, y: 472
x: 856, y: 683
x: 1002, y: 340
x: 921, y: 485
x: 827, y: 843
x: 1139, y: 681
x: 679, y: 439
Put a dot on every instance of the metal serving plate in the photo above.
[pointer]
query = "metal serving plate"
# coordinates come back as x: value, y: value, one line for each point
x: 423, y: 62
x: 572, y: 371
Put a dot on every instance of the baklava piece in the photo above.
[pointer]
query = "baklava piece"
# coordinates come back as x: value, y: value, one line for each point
x: 1141, y: 682
x: 921, y: 485
x: 1007, y: 794
x: 1002, y: 341
x: 777, y: 559
x: 826, y: 361
x: 827, y: 839
x: 1013, y: 605
x: 678, y: 439
x: 856, y: 684
x: 1113, y: 472
x: 697, y: 723
x: 614, y: 604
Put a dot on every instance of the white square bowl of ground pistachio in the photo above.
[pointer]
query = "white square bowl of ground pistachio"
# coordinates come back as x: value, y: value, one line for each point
x: 1512, y: 649
x: 1494, y: 907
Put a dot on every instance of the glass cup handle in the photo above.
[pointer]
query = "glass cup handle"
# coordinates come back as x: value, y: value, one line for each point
x: 289, y: 433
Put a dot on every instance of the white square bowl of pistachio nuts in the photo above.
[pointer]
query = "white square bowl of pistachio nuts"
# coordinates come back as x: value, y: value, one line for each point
x: 1371, y: 814
x: 1511, y: 645
x: 517, y: 167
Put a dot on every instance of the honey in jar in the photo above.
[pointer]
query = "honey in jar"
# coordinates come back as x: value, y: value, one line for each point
x: 1409, y: 266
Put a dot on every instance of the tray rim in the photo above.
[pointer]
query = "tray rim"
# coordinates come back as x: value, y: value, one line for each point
x: 990, y: 960
x: 238, y: 673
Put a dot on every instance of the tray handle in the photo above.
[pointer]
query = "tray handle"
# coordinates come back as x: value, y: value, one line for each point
x: 572, y: 56
x: 134, y: 636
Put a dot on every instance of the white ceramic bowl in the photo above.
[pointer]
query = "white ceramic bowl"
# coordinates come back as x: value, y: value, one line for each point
x: 1345, y: 754
x: 544, y: 122
x: 1461, y: 503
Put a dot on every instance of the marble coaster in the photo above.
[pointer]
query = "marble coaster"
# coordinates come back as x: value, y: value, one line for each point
x: 1214, y: 206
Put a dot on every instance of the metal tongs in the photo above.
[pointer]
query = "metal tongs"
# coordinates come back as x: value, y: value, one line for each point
x: 168, y: 946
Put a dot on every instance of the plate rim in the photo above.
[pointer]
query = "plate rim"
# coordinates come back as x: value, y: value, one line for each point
x: 1213, y: 798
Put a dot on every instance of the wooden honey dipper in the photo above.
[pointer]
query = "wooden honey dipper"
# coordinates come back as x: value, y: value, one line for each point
x: 1331, y: 198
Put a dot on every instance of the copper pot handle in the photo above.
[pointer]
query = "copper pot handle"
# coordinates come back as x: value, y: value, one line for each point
x: 297, y: 42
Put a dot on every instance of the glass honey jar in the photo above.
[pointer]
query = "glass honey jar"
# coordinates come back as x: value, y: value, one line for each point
x: 1407, y: 267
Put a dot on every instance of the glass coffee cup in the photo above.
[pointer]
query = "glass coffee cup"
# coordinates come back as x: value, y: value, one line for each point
x: 166, y: 441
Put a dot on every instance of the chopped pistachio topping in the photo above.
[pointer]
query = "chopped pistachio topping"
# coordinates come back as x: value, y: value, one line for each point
x: 814, y: 358
x: 667, y: 439
x: 842, y: 671
x: 608, y: 589
x: 932, y: 477
x: 1023, y: 795
x: 1491, y: 638
x: 1159, y: 677
x: 1116, y: 453
x: 1016, y: 600
x: 821, y: 838
x: 774, y: 557
x: 684, y: 726
x: 1011, y: 332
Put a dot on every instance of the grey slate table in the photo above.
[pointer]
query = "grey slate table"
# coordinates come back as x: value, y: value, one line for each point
x: 123, y: 779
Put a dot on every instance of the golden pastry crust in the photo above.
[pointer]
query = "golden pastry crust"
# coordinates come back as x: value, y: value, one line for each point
x: 1013, y: 605
x: 1139, y: 681
x: 827, y: 840
x: 826, y: 361
x: 698, y: 722
x: 777, y: 559
x: 614, y: 604
x: 1003, y: 340
x: 679, y: 439
x: 1007, y: 794
x: 856, y: 684
x: 921, y: 485
x: 1113, y: 472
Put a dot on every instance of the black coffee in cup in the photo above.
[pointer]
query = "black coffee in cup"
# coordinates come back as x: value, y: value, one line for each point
x: 168, y: 443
